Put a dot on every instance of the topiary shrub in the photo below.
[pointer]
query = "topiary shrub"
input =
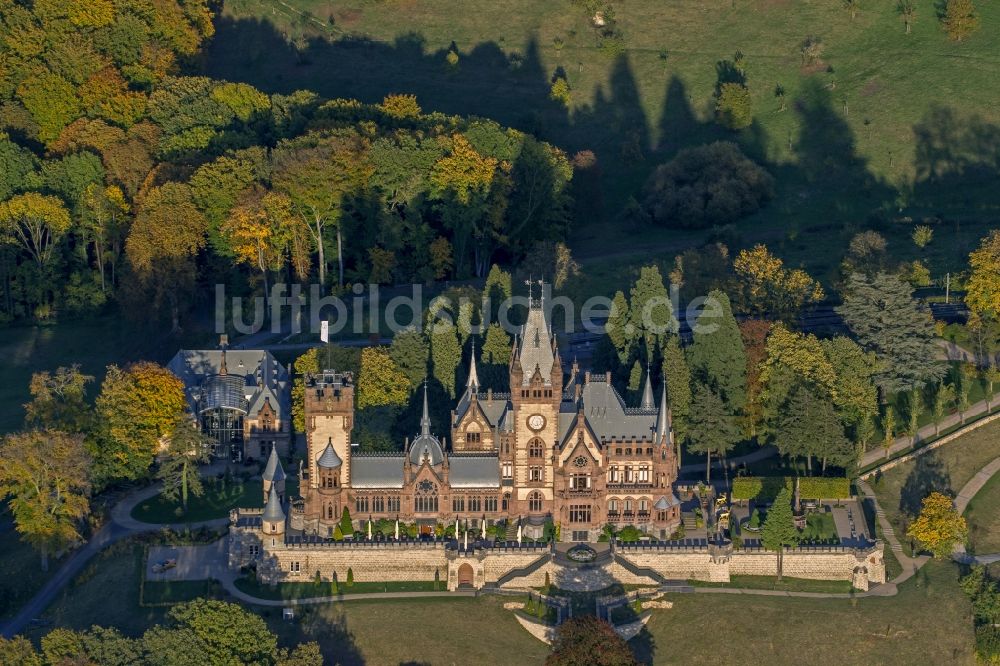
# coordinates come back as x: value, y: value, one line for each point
x: 707, y: 186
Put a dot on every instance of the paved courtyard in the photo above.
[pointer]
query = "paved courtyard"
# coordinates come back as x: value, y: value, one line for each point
x: 193, y: 562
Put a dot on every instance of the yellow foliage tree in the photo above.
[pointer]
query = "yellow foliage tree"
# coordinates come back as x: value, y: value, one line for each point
x: 35, y: 222
x: 803, y: 354
x: 381, y: 382
x: 45, y: 475
x: 939, y: 527
x: 982, y: 292
x: 259, y: 229
x: 400, y: 106
x: 769, y: 287
x: 960, y: 19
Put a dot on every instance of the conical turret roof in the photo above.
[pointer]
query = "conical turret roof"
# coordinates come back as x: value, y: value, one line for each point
x: 273, y: 513
x: 273, y: 471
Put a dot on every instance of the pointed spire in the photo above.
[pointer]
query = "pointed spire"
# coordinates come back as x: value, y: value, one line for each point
x: 273, y: 513
x: 662, y: 418
x: 425, y: 420
x: 273, y: 471
x: 473, y: 383
x: 647, y: 392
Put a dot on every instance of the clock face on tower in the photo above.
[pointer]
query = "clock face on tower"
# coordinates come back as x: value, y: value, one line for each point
x: 536, y: 421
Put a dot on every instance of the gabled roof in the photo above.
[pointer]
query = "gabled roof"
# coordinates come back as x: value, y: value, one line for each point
x: 666, y: 502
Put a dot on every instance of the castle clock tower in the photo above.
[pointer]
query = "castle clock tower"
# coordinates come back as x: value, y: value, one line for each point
x: 536, y: 383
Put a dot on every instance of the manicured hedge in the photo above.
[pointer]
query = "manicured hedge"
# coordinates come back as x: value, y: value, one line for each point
x: 810, y: 487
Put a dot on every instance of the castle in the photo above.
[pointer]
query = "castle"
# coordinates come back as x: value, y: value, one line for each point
x: 562, y: 451
x: 556, y: 449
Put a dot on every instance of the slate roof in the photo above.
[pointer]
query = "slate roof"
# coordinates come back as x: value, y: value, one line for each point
x: 536, y: 346
x: 273, y: 471
x: 329, y: 459
x: 252, y: 376
x: 607, y: 415
x: 666, y: 502
x: 273, y: 513
x: 377, y: 471
x: 474, y: 471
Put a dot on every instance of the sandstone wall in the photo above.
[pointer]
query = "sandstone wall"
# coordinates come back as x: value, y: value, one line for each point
x: 400, y: 563
x: 681, y: 565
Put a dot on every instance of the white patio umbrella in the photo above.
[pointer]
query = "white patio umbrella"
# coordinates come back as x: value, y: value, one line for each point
x: 397, y: 529
x: 519, y: 534
x: 456, y: 529
x: 369, y: 529
x: 484, y: 528
x: 466, y: 547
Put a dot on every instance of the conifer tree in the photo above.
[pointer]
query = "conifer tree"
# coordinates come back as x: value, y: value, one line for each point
x: 887, y: 320
x: 410, y: 351
x: 713, y: 428
x: 779, y: 530
x: 678, y: 378
x: 717, y: 357
x: 619, y: 328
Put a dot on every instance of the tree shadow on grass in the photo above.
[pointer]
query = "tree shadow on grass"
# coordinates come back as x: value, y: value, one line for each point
x: 929, y: 475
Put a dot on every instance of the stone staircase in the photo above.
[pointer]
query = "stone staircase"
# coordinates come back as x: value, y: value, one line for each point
x: 511, y: 533
x: 689, y: 521
x: 887, y: 531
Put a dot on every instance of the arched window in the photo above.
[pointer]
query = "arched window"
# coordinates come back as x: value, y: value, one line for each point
x: 505, y: 503
x: 535, y: 501
x: 329, y: 512
x: 535, y: 448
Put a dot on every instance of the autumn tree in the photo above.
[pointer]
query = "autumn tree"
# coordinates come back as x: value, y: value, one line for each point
x: 35, y: 223
x: 854, y: 393
x: 960, y: 19
x: 779, y: 530
x: 587, y: 640
x: 496, y: 346
x: 187, y: 447
x: 167, y: 234
x: 259, y: 231
x: 317, y: 173
x: 44, y: 474
x: 462, y: 182
x: 754, y: 333
x: 138, y: 406
x: 939, y: 527
x: 381, y: 382
x: 982, y: 291
x: 59, y: 400
x: 770, y: 288
x: 105, y: 221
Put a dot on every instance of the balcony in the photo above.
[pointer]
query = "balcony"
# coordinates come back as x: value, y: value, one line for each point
x: 643, y: 516
x: 630, y: 485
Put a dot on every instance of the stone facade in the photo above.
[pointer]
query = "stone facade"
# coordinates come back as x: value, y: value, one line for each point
x: 555, y: 449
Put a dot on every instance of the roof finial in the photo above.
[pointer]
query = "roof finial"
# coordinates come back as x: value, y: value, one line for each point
x: 425, y: 420
x: 223, y: 370
x: 473, y: 383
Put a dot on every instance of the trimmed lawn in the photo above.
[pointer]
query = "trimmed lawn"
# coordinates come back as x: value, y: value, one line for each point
x: 106, y: 592
x: 877, y: 108
x: 169, y: 592
x: 983, y: 516
x: 310, y: 590
x: 945, y: 469
x: 216, y: 502
x: 22, y: 569
x: 93, y: 343
x: 786, y: 584
x: 928, y: 622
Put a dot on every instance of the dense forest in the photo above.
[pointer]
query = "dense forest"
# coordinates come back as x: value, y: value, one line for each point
x: 123, y: 180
